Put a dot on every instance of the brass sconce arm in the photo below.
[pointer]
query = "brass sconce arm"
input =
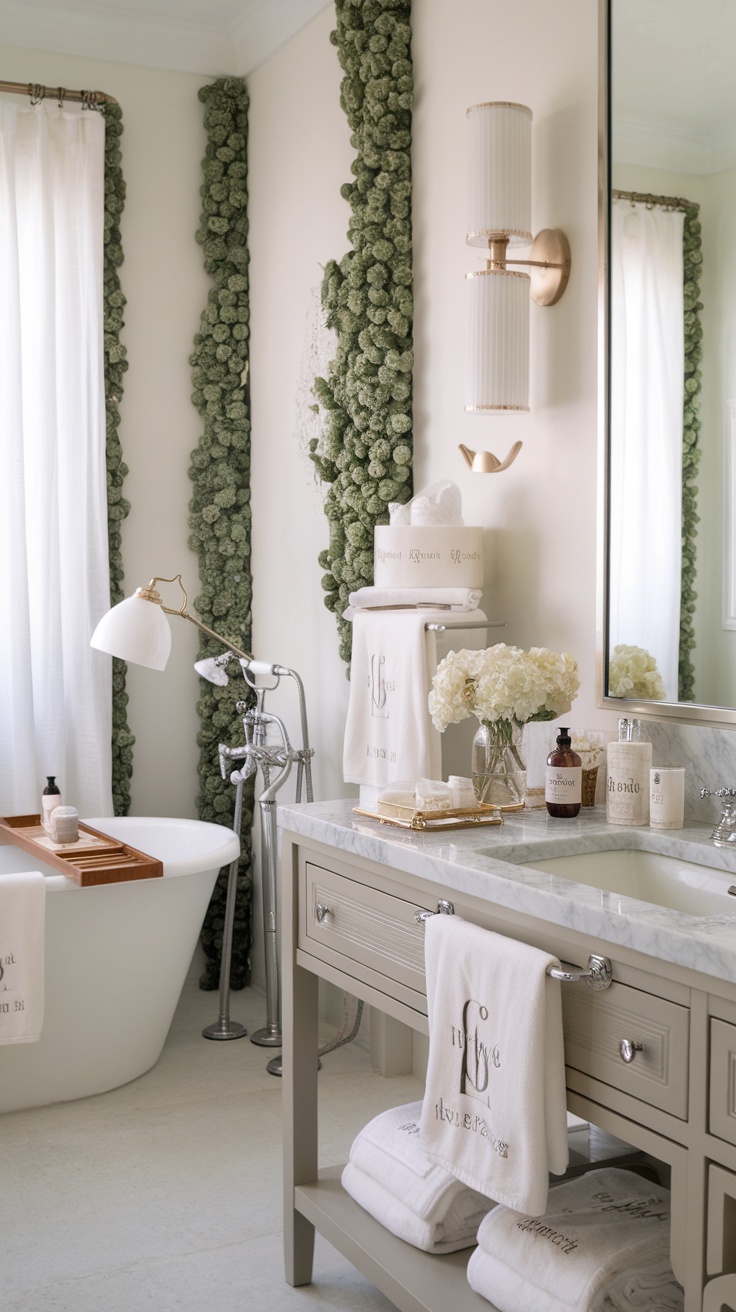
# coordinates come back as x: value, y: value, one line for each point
x: 149, y: 593
x: 550, y: 253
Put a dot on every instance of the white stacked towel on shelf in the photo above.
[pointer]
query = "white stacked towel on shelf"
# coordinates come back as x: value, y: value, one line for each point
x: 388, y: 733
x: 391, y: 1176
x: 22, y: 954
x: 602, y: 1244
x: 455, y: 599
x: 494, y: 1111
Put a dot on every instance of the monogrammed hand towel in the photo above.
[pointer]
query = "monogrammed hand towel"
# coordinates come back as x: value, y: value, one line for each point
x: 22, y: 956
x: 494, y: 1110
x: 388, y: 733
x: 596, y: 1228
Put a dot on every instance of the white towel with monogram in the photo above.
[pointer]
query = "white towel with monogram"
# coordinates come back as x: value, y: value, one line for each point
x: 575, y: 1258
x: 494, y: 1111
x: 389, y: 734
x: 22, y: 956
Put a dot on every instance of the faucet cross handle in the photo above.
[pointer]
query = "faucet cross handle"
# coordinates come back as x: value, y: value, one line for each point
x: 725, y: 830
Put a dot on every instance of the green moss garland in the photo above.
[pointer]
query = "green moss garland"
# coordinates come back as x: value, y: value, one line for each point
x: 115, y: 365
x: 366, y: 455
x: 693, y: 260
x: 220, y: 514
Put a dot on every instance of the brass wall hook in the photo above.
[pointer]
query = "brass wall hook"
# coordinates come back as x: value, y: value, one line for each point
x: 484, y: 462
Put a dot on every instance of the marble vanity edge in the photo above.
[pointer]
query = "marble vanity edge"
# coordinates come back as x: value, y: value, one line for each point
x: 488, y: 863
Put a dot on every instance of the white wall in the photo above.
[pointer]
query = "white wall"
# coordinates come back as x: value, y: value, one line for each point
x: 540, y: 515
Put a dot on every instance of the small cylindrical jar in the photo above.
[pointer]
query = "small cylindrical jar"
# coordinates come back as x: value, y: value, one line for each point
x: 667, y: 797
x: 627, y: 784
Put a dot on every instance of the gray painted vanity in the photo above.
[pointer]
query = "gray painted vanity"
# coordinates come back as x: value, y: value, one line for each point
x: 673, y: 992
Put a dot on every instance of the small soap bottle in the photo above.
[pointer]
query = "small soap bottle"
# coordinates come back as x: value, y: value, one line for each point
x: 627, y: 784
x: 50, y: 798
x: 563, y: 781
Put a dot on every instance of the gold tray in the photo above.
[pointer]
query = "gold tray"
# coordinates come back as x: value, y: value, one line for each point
x: 407, y: 818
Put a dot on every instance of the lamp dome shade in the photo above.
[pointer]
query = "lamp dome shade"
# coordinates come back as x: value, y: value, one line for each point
x: 135, y: 630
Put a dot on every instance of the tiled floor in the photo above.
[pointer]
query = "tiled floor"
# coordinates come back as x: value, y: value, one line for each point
x: 166, y: 1194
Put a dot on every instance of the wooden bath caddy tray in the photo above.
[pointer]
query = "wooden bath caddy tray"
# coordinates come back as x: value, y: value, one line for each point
x: 95, y: 859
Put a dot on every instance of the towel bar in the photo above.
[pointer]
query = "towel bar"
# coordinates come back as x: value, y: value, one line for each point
x: 433, y: 627
x: 599, y: 974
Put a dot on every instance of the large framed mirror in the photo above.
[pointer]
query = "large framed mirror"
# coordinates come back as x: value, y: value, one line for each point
x: 667, y: 612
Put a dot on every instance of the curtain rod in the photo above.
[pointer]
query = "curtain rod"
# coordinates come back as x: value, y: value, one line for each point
x: 667, y: 202
x: 36, y: 92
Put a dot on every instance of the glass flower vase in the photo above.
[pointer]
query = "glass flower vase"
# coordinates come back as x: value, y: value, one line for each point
x: 497, y: 765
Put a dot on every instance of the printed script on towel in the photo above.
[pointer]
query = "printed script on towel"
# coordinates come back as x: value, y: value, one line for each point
x: 475, y: 1057
x: 644, y: 1209
x: 8, y: 967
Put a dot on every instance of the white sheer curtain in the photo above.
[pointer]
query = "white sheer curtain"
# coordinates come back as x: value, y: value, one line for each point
x: 55, y: 692
x: 647, y: 395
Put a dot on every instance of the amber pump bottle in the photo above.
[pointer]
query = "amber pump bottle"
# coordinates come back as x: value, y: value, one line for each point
x: 563, y: 779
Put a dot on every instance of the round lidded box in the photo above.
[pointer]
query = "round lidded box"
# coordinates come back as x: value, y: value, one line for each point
x: 432, y: 556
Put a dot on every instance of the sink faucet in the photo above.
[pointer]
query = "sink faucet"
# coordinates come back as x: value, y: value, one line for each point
x: 725, y: 830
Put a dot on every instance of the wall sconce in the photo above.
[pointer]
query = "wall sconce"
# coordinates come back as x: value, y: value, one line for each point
x: 499, y: 218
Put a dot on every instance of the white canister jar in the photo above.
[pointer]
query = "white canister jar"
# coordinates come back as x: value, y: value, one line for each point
x: 627, y: 784
x: 667, y: 797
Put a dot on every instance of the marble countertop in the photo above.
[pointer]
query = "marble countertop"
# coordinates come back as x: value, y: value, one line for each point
x: 489, y: 863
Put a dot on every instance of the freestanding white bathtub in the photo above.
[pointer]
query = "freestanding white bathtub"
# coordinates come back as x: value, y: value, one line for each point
x: 117, y: 956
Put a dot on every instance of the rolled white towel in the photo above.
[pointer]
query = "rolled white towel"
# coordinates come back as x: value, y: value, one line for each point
x: 595, y: 1229
x: 649, y: 1286
x: 456, y: 1229
x: 388, y: 1150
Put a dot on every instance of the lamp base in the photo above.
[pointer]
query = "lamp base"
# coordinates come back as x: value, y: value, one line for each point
x: 550, y: 246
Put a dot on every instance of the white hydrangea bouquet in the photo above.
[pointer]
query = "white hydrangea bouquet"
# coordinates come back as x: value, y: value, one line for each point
x: 504, y: 688
x: 632, y: 672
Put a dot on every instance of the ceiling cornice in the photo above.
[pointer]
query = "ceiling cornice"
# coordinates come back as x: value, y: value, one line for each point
x: 153, y: 37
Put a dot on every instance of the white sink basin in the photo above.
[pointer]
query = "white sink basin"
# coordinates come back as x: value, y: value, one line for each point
x: 665, y: 881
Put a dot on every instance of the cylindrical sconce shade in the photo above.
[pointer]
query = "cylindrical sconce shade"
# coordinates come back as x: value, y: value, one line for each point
x: 498, y: 341
x: 500, y: 173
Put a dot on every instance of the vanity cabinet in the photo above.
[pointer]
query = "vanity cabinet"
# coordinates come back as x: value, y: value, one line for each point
x: 355, y: 921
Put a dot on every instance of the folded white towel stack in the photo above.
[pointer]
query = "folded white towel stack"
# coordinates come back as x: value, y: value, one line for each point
x: 605, y: 1236
x: 22, y: 951
x: 391, y: 1176
x: 494, y: 1111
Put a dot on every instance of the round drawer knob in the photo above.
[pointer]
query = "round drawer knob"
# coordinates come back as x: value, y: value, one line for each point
x: 628, y: 1049
x: 322, y: 912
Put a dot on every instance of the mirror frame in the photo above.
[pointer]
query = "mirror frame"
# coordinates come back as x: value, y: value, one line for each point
x: 682, y: 712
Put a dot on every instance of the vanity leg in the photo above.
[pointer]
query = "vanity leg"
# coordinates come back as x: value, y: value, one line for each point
x: 299, y: 1078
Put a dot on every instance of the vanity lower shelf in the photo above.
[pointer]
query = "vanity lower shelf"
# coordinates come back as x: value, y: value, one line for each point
x: 414, y: 1281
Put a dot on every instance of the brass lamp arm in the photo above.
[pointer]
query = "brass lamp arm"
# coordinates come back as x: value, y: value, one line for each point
x: 149, y: 593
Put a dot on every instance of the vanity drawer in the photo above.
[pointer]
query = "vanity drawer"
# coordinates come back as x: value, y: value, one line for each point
x: 595, y: 1023
x: 723, y: 1080
x: 372, y: 928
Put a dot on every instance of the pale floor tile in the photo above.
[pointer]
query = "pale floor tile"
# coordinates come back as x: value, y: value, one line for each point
x: 166, y: 1193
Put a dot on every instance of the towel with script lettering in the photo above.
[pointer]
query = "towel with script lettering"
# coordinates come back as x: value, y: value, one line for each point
x: 388, y: 733
x: 603, y: 1243
x: 22, y: 956
x: 494, y: 1110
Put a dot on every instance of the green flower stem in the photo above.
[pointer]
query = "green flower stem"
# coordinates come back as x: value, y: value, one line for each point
x: 366, y: 455
x: 115, y: 365
x: 693, y: 259
x: 220, y: 508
